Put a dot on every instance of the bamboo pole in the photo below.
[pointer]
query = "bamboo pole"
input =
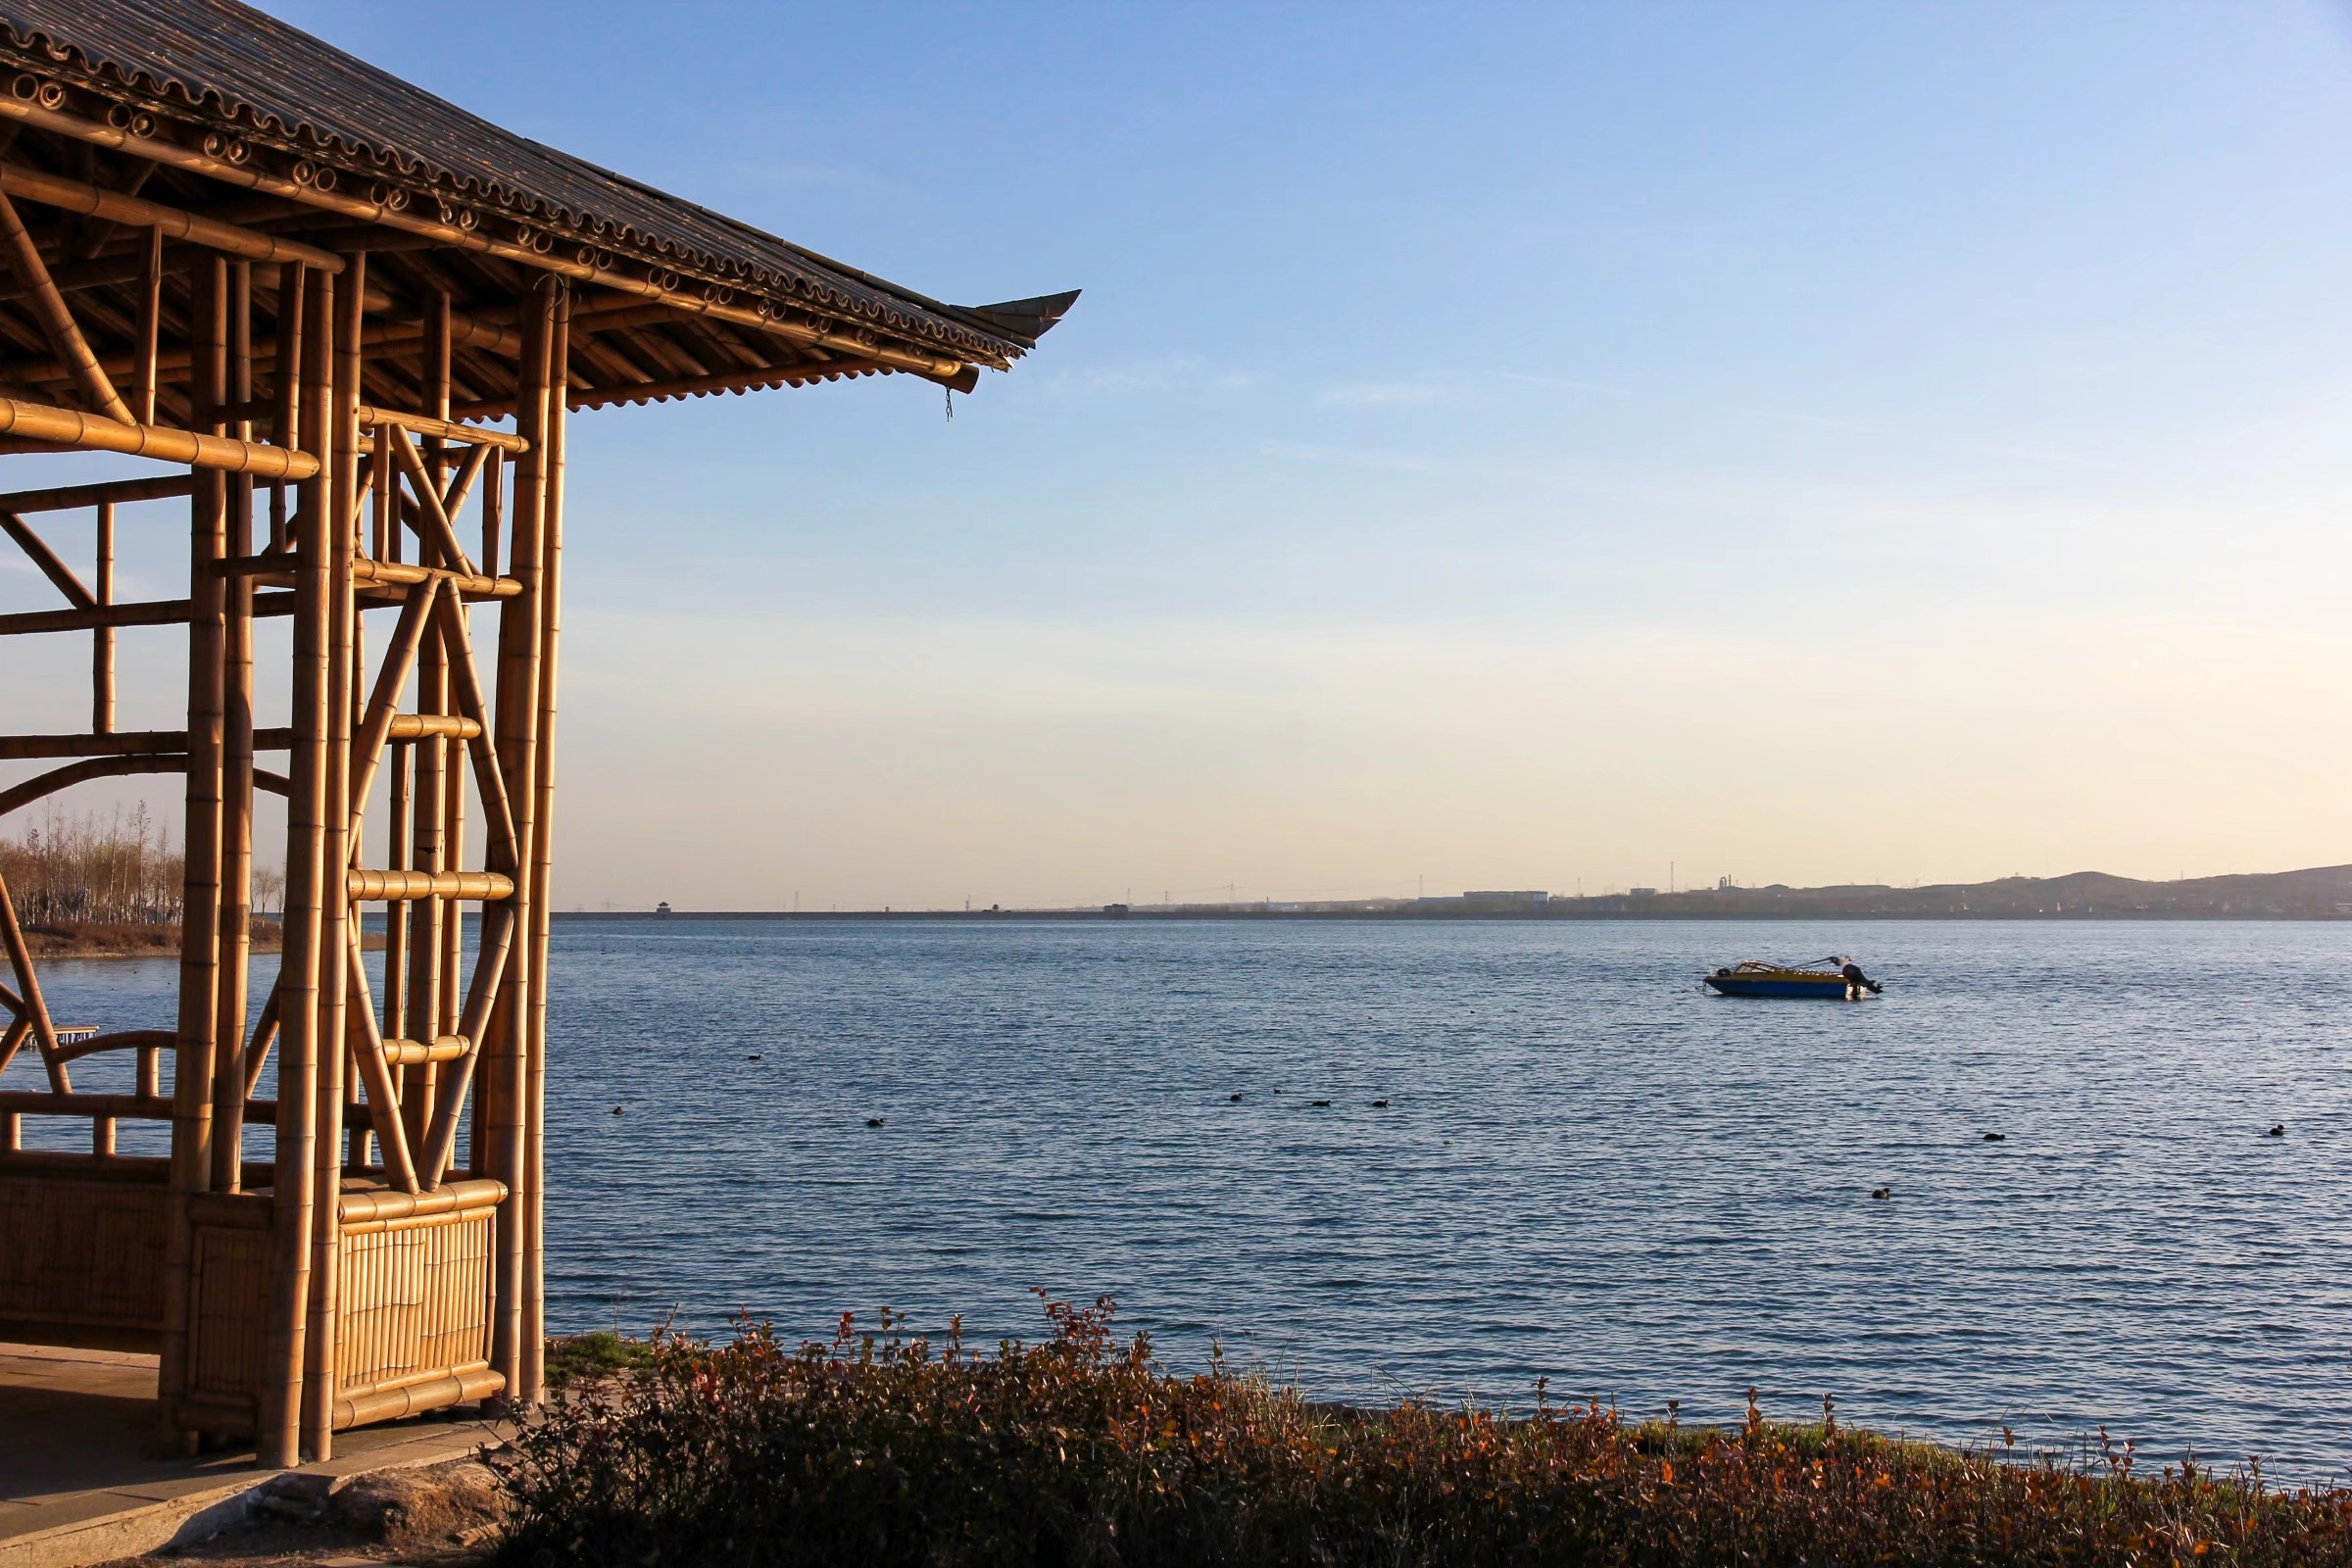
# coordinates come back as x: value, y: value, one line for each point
x: 28, y: 987
x: 145, y: 364
x: 237, y: 774
x: 387, y: 509
x: 54, y: 317
x: 18, y: 795
x: 371, y: 886
x: 87, y: 433
x: 438, y: 726
x: 265, y: 1031
x: 200, y: 907
x: 481, y: 1001
x: 131, y: 742
x: 308, y: 890
x: 423, y: 424
x: 319, y: 1367
x: 73, y: 496
x: 54, y: 190
x: 398, y: 852
x: 375, y: 727
x: 418, y: 927
x: 439, y: 533
x: 453, y: 857
x: 37, y: 548
x: 505, y: 847
x: 428, y: 807
x: 471, y: 331
x: 384, y: 1096
x: 144, y: 613
x: 528, y: 1388
x: 102, y: 638
x: 518, y: 721
x: 285, y: 424
x: 493, y: 513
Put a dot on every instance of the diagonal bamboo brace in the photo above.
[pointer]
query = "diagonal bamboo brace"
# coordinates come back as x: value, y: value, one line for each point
x: 49, y: 308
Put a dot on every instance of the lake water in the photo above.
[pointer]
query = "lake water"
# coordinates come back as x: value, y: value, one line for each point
x: 1586, y: 1169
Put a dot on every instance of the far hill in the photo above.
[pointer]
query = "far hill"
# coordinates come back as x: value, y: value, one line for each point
x: 2321, y: 892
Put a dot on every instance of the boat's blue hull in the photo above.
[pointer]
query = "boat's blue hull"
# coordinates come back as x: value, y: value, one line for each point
x: 1733, y: 985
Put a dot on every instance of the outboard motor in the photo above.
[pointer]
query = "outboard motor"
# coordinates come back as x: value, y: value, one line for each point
x: 1856, y: 982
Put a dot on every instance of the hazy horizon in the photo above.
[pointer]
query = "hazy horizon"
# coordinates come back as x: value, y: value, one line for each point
x: 1238, y: 895
x: 1503, y: 446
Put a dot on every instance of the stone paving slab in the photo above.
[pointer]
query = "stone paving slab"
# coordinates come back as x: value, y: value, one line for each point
x: 84, y: 1477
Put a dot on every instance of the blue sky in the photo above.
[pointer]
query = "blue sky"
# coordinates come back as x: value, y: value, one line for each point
x: 1510, y: 446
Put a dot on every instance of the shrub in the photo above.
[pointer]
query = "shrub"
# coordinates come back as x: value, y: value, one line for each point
x: 881, y: 1449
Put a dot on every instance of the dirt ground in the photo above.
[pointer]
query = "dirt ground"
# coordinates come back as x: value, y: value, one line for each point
x: 443, y: 1515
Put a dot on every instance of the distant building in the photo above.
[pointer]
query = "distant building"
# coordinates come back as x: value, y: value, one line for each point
x: 662, y: 907
x: 1527, y: 899
x: 1642, y: 893
x: 1117, y: 911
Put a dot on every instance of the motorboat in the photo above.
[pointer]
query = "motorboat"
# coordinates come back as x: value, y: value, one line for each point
x: 1841, y: 980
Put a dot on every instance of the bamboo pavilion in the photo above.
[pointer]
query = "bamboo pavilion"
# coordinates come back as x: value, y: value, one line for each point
x: 343, y: 321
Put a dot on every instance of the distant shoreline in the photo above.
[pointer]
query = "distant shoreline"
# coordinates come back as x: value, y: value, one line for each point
x: 157, y: 941
x: 986, y: 917
x: 2321, y: 893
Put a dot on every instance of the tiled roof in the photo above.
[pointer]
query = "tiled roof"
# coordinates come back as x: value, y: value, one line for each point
x: 226, y: 62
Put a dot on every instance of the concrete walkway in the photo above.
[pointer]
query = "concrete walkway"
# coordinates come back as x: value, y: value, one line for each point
x: 81, y: 1482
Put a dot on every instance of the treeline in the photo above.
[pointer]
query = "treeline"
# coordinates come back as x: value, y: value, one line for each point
x: 92, y: 871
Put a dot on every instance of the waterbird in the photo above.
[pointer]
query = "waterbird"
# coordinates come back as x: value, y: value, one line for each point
x: 1882, y: 1191
x: 615, y: 1110
x: 2279, y: 1131
x: 753, y: 1057
x: 1380, y: 1105
x: 1235, y: 1098
x: 1997, y: 1138
x: 873, y: 1121
x: 1319, y: 1102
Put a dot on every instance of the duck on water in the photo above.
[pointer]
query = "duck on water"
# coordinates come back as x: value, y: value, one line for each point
x: 1838, y: 980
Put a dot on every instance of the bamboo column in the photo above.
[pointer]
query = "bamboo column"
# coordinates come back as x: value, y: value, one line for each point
x: 102, y: 640
x: 145, y: 356
x: 428, y: 813
x: 499, y: 1113
x: 200, y: 908
x: 531, y: 1195
x: 307, y: 888
x: 398, y: 831
x: 318, y: 1370
x: 236, y: 808
x: 453, y: 858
